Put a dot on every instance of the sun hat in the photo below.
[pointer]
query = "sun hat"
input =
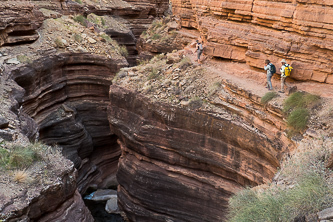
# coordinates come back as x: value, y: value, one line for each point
x: 283, y: 60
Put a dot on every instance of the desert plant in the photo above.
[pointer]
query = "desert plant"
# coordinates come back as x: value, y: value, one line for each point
x: 58, y: 43
x: 212, y: 89
x: 195, y: 103
x: 154, y: 73
x: 18, y: 156
x: 123, y: 51
x: 107, y: 38
x: 103, y: 21
x: 268, y: 97
x: 78, y: 1
x: 24, y: 59
x: 300, y: 100
x: 185, y: 62
x: 20, y: 176
x: 298, y: 119
x: 81, y: 19
x: 297, y: 108
x: 78, y: 37
x: 311, y: 189
x: 155, y: 36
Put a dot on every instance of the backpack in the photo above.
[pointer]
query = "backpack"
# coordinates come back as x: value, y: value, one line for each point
x: 287, y: 70
x: 200, y: 46
x: 272, y: 68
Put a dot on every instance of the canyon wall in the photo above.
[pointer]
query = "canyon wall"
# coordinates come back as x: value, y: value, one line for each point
x: 67, y: 95
x: 183, y: 165
x: 300, y: 31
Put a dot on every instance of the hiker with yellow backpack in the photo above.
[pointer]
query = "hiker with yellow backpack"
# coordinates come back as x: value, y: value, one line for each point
x: 285, y: 72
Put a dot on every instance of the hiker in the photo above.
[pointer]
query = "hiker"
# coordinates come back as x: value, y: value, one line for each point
x: 199, y: 50
x: 270, y: 72
x: 284, y: 74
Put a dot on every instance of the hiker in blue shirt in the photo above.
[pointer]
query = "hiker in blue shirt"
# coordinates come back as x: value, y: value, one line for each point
x: 270, y: 72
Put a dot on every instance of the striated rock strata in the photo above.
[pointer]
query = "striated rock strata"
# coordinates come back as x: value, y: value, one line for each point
x: 67, y: 95
x: 19, y: 22
x: 251, y: 31
x: 183, y: 165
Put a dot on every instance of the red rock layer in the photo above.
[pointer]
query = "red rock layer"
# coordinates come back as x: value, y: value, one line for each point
x: 182, y: 165
x: 251, y: 31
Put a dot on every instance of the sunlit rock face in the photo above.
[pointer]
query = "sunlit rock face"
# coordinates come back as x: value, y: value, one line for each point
x: 183, y: 165
x: 252, y: 31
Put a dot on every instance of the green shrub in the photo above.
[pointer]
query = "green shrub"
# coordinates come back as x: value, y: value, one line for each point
x: 17, y: 156
x: 309, y: 192
x: 195, y: 103
x: 298, y: 119
x: 24, y: 59
x: 81, y: 19
x: 185, y: 62
x: 212, y: 89
x: 156, y: 24
x: 123, y: 51
x: 297, y: 106
x: 268, y: 97
x: 59, y: 43
x: 156, y: 36
x: 300, y: 100
x: 78, y: 1
x: 107, y: 38
x: 103, y: 21
x: 78, y: 37
x: 154, y: 73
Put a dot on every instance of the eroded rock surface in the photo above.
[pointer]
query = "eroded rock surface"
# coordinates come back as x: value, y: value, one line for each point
x: 251, y: 31
x: 183, y: 165
x: 67, y: 95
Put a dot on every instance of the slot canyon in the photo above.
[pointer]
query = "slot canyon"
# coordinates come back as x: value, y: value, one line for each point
x: 67, y: 83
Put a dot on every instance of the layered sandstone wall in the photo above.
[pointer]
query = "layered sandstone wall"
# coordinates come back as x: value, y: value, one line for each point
x: 183, y: 165
x: 251, y: 31
x: 19, y: 22
x: 67, y: 95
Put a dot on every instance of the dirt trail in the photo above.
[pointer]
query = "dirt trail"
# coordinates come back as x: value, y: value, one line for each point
x: 255, y: 81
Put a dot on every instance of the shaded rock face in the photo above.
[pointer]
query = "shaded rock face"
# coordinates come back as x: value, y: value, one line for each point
x: 252, y: 31
x: 19, y: 22
x: 182, y: 165
x: 67, y: 96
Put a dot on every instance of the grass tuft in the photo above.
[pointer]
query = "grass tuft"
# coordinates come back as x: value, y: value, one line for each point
x: 20, y: 157
x: 81, y: 19
x: 185, y: 62
x: 156, y: 36
x: 78, y: 37
x: 268, y: 97
x: 154, y: 73
x: 309, y: 191
x: 20, y: 176
x: 24, y: 59
x: 297, y: 107
x: 123, y: 51
x: 298, y: 119
x: 195, y: 103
